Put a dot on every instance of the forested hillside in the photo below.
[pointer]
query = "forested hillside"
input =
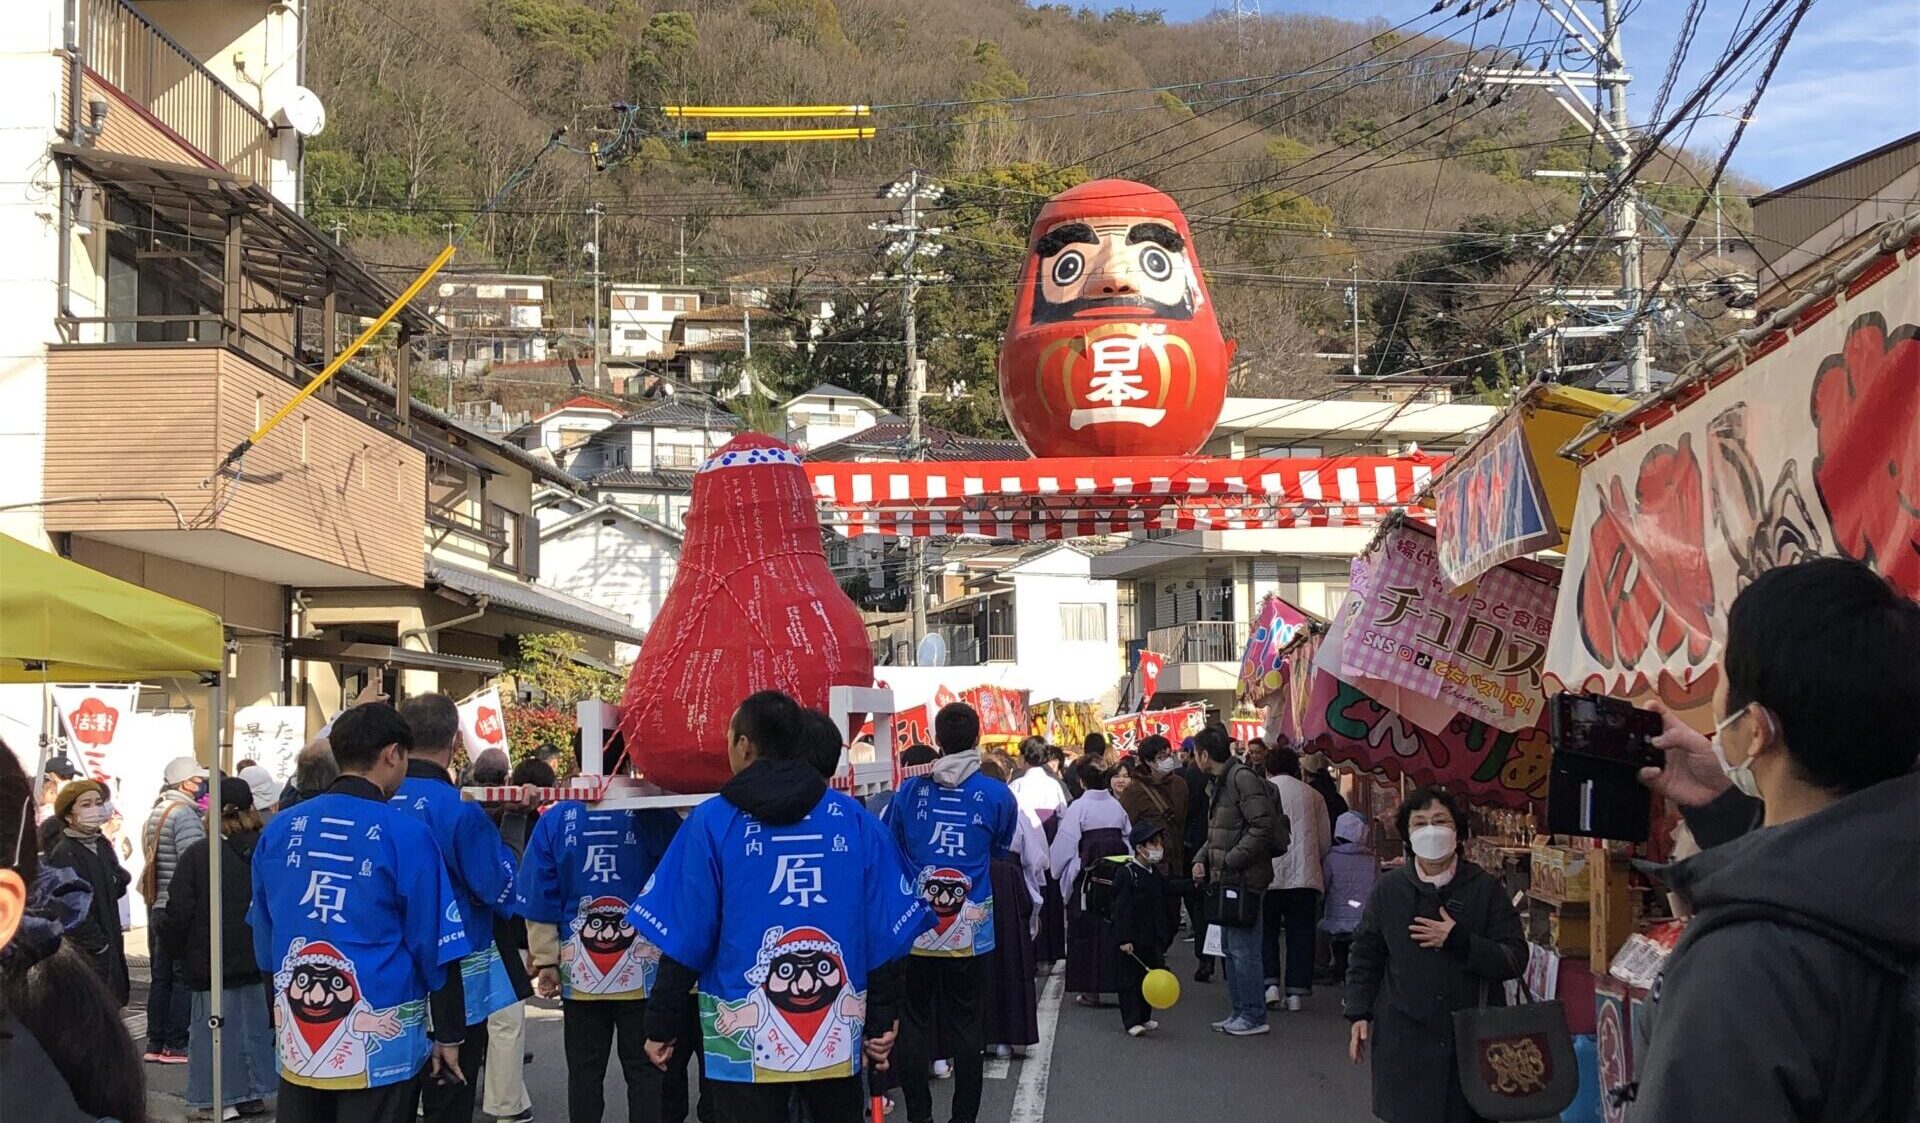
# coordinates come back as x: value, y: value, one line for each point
x: 1301, y: 147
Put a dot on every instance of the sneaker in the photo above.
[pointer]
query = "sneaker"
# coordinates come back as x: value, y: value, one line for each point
x: 1137, y: 1031
x: 1152, y: 1025
x: 1003, y: 1052
x: 255, y: 1107
x: 155, y: 1056
x: 1295, y: 1003
x: 231, y: 1112
x: 1273, y: 997
x: 1221, y: 1025
x: 1204, y: 972
x: 1238, y: 1028
x: 524, y: 1117
x: 169, y: 1057
x: 943, y: 1070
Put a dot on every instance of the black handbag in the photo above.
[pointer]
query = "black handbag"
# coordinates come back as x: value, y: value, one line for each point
x: 1231, y: 904
x: 1515, y: 1062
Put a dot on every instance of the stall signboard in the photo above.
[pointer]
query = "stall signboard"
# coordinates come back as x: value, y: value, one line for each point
x: 1479, y: 651
x: 271, y: 736
x: 1492, y: 506
x: 95, y: 717
x: 1003, y: 711
x: 1278, y: 627
x: 1149, y: 668
x: 483, y: 722
x: 1810, y: 448
x: 1126, y: 731
x: 1488, y: 764
x: 1065, y: 723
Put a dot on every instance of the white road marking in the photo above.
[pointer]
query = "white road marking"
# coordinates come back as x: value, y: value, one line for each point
x: 996, y: 1068
x: 1030, y: 1096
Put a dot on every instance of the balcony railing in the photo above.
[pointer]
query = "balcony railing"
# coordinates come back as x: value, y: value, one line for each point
x: 1203, y: 641
x: 133, y: 54
x: 1000, y: 649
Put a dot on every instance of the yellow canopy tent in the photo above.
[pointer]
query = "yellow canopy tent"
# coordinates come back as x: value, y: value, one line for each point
x: 63, y: 622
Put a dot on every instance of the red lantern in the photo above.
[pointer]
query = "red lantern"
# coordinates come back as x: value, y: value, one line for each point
x: 753, y: 606
x: 1114, y: 349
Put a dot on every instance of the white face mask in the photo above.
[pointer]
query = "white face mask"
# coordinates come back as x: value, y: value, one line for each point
x: 1166, y: 764
x: 1432, y: 842
x: 91, y: 817
x: 1152, y: 854
x: 1740, y: 774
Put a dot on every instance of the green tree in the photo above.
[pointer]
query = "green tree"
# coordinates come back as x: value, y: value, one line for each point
x: 1492, y: 157
x: 545, y: 667
x: 1357, y: 133
x: 812, y: 23
x: 1286, y: 151
x: 1275, y: 225
x: 1432, y: 315
x: 579, y: 32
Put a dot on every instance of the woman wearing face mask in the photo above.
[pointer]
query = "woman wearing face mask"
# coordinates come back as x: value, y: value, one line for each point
x: 82, y: 810
x: 1437, y: 935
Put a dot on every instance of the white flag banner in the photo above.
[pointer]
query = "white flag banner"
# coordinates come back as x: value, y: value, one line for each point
x: 483, y: 723
x: 93, y: 717
x: 271, y: 736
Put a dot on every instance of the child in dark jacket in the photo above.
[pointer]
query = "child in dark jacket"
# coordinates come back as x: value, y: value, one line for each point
x: 1142, y: 925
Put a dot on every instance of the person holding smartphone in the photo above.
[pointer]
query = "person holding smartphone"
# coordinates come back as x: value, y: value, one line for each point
x: 1437, y: 935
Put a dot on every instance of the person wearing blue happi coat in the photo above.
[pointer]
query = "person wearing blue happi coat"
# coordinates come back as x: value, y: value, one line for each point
x: 356, y: 920
x: 480, y: 865
x: 578, y: 879
x: 793, y: 909
x: 951, y: 824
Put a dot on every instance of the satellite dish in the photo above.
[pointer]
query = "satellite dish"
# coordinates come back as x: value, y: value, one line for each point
x: 932, y: 651
x: 303, y: 112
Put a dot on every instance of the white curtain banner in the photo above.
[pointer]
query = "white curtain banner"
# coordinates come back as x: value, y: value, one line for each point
x: 94, y: 718
x: 270, y: 735
x: 483, y: 723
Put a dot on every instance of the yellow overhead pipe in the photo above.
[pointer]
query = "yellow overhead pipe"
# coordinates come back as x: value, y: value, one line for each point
x: 340, y: 360
x: 751, y: 136
x: 687, y: 111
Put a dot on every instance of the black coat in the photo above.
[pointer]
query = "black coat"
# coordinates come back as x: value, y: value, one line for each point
x: 27, y: 1072
x: 186, y: 923
x: 1197, y: 809
x: 1409, y: 993
x: 1140, y: 913
x: 98, y: 935
x: 1790, y: 996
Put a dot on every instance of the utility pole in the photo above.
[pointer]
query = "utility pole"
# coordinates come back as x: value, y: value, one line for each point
x: 1612, y: 68
x: 1618, y: 311
x: 339, y: 231
x: 1353, y: 298
x: 908, y: 247
x: 682, y: 253
x: 599, y: 352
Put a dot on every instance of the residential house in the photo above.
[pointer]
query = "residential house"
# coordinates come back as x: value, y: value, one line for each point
x: 710, y: 345
x: 1038, y: 607
x: 811, y: 295
x: 829, y: 413
x: 564, y: 429
x: 1817, y: 222
x: 607, y: 553
x: 164, y: 298
x: 645, y: 461
x: 1191, y: 594
x: 642, y: 317
x: 490, y: 318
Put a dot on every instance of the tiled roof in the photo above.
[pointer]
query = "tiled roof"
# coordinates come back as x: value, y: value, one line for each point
x: 581, y: 401
x: 535, y: 603
x: 889, y: 439
x: 680, y: 413
x: 663, y: 479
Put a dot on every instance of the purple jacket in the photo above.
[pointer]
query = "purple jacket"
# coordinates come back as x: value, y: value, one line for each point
x: 1351, y: 869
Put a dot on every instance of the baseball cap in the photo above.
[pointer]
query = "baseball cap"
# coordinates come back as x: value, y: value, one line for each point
x: 265, y: 789
x: 181, y: 769
x: 59, y: 765
x: 1144, y: 833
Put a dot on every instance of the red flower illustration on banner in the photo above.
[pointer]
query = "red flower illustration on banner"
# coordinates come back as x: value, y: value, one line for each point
x: 1647, y: 576
x: 94, y: 722
x: 1865, y: 400
x: 486, y: 722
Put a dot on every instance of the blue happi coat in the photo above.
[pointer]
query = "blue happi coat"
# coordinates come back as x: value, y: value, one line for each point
x: 480, y: 865
x: 951, y: 835
x: 355, y: 919
x: 783, y: 923
x: 581, y: 871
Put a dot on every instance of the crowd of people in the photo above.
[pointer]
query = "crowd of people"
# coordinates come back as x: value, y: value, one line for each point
x: 803, y: 954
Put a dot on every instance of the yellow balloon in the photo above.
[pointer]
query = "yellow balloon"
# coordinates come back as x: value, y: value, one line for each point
x: 1160, y: 988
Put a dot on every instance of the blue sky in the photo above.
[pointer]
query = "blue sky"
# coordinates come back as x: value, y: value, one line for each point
x: 1849, y: 81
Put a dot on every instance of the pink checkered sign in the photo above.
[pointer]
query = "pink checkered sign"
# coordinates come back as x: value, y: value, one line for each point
x: 1479, y: 652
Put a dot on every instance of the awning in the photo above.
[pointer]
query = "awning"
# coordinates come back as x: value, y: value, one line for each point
x: 386, y: 655
x: 1081, y: 496
x: 61, y: 621
x: 544, y: 606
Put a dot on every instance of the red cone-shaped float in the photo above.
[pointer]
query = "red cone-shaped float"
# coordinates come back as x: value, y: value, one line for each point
x: 754, y: 606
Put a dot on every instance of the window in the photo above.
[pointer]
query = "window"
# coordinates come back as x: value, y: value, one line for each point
x: 1298, y: 452
x: 677, y: 303
x: 1127, y: 594
x: 677, y: 456
x: 1083, y: 623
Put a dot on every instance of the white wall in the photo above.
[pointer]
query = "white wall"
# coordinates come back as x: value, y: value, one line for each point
x: 30, y: 82
x: 814, y: 422
x: 623, y: 568
x: 584, y: 421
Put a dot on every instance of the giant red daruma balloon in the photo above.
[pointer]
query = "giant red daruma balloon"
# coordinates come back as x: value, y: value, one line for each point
x: 754, y: 606
x: 1114, y: 349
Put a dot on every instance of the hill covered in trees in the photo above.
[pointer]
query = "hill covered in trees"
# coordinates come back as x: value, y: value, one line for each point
x: 1302, y: 148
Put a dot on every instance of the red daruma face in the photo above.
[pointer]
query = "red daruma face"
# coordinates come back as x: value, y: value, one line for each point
x: 1114, y: 348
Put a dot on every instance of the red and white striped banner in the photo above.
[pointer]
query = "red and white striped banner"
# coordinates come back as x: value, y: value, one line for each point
x: 1072, y: 497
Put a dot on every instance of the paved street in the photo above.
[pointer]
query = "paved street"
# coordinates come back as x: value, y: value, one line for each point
x: 1091, y: 1073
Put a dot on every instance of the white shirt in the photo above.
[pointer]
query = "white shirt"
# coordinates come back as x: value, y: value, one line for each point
x: 1302, y: 866
x: 1093, y: 811
x: 1036, y: 791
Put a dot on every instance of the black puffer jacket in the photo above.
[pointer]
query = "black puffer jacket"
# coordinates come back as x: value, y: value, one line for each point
x: 1791, y: 998
x: 187, y: 925
x: 1240, y: 828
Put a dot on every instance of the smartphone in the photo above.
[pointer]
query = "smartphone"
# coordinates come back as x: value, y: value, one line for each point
x: 1594, y: 725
